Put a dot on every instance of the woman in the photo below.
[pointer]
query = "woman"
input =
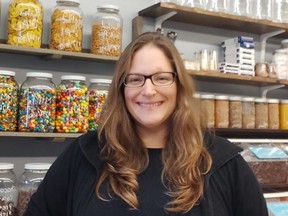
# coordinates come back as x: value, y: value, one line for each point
x: 150, y: 155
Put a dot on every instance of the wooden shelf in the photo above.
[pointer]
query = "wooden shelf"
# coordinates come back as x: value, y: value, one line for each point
x: 203, y: 17
x: 40, y: 135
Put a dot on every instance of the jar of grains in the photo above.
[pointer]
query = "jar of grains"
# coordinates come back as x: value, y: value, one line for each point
x: 208, y: 107
x: 8, y: 101
x: 67, y: 26
x: 261, y: 113
x: 107, y: 31
x: 37, y: 103
x: 235, y: 112
x: 221, y: 111
x: 98, y: 91
x: 8, y: 190
x: 28, y: 183
x: 284, y: 114
x: 72, y: 105
x: 273, y: 114
x: 25, y: 23
x: 248, y: 112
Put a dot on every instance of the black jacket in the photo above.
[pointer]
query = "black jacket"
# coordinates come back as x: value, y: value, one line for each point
x: 231, y: 188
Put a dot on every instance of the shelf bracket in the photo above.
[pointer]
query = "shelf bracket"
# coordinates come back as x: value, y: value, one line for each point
x: 159, y: 20
x: 265, y: 90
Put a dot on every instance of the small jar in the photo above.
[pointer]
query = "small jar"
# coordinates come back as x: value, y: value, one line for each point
x: 107, y: 31
x: 67, y: 26
x: 25, y: 23
x: 28, y: 183
x: 72, y: 105
x: 37, y: 103
x: 8, y: 189
x: 98, y: 91
x: 284, y: 114
x: 8, y: 101
x: 208, y: 108
x: 248, y: 112
x: 273, y: 114
x: 261, y: 113
x: 235, y: 112
x: 221, y: 111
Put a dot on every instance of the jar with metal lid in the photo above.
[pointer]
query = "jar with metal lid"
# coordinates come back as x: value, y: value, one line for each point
x: 221, y: 111
x: 235, y: 112
x: 208, y: 107
x: 98, y: 91
x: 37, y: 103
x: 261, y: 113
x: 8, y: 190
x: 248, y: 112
x: 72, y: 105
x: 284, y: 114
x: 107, y: 31
x: 8, y: 101
x: 25, y: 23
x: 28, y: 183
x: 273, y: 114
x: 67, y: 26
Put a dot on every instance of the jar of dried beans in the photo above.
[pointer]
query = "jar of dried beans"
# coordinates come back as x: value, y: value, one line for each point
x: 107, y: 31
x: 67, y: 26
x: 221, y: 111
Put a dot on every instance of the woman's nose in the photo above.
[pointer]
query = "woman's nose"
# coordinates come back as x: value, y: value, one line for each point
x: 148, y: 88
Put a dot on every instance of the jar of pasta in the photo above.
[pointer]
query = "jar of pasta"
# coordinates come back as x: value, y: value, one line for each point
x: 284, y: 114
x: 107, y: 31
x: 37, y: 103
x: 67, y: 26
x: 221, y: 111
x: 8, y: 101
x: 72, y: 105
x: 248, y: 112
x: 273, y: 113
x: 208, y: 109
x: 235, y: 112
x: 261, y: 113
x: 25, y: 23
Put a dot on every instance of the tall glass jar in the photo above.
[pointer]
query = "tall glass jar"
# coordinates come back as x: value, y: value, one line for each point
x: 72, y: 105
x: 8, y: 190
x: 248, y: 112
x: 107, y: 31
x: 208, y: 107
x: 37, y: 103
x: 25, y: 23
x: 67, y: 26
x: 8, y: 101
x: 273, y: 114
x: 98, y: 91
x: 28, y: 183
x: 235, y: 112
x: 261, y: 113
x: 284, y: 114
x: 221, y: 111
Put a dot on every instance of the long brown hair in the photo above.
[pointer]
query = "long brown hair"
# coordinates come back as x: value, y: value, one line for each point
x: 185, y: 158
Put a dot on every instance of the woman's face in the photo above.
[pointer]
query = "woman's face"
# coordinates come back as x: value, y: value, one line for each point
x: 150, y: 105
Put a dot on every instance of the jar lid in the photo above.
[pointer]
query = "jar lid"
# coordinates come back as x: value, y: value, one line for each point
x: 284, y: 101
x: 260, y: 100
x: 207, y: 96
x: 273, y: 100
x: 6, y: 166
x: 235, y: 98
x: 6, y: 72
x: 37, y: 166
x: 221, y: 97
x: 108, y: 6
x: 39, y: 74
x: 248, y: 99
x: 73, y: 77
x: 74, y: 1
x: 108, y: 81
x: 196, y: 95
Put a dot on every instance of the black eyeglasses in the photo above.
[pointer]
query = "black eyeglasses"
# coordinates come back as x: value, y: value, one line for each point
x: 158, y: 79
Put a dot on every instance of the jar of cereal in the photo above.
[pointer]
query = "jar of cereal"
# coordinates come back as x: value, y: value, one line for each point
x: 25, y: 23
x: 248, y: 112
x: 208, y: 108
x: 261, y: 113
x: 67, y: 26
x: 273, y: 114
x: 235, y: 112
x: 221, y: 111
x: 107, y: 31
x: 8, y: 101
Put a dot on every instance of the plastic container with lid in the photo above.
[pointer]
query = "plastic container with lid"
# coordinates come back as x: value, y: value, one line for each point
x: 8, y: 101
x: 248, y: 112
x: 72, y: 105
x: 107, y: 31
x: 208, y: 107
x: 240, y: 7
x: 261, y: 113
x: 8, y: 189
x: 235, y: 112
x: 280, y: 59
x: 67, y: 26
x: 221, y: 111
x: 25, y: 23
x: 273, y: 114
x: 98, y: 91
x: 284, y: 114
x: 37, y: 103
x: 28, y: 183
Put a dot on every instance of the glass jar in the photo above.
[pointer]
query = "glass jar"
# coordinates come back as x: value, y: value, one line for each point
x: 98, y: 91
x: 197, y: 107
x: 37, y: 103
x: 248, y: 112
x: 28, y: 183
x: 235, y: 112
x: 221, y: 111
x: 240, y: 7
x: 217, y: 5
x: 25, y: 23
x: 273, y: 114
x: 284, y: 114
x: 67, y: 26
x: 8, y: 190
x: 208, y: 107
x: 72, y: 105
x: 261, y: 113
x: 107, y: 31
x: 261, y: 9
x: 280, y: 58
x: 8, y: 101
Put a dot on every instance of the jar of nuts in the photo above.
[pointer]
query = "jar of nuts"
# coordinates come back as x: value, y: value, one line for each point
x: 107, y: 31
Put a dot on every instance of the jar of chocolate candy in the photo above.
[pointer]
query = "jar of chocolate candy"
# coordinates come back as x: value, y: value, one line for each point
x: 37, y: 102
x: 72, y: 105
x: 8, y: 101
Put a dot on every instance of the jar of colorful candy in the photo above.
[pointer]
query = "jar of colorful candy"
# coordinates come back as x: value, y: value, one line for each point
x: 37, y: 103
x: 8, y: 101
x: 72, y: 105
x: 98, y: 91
